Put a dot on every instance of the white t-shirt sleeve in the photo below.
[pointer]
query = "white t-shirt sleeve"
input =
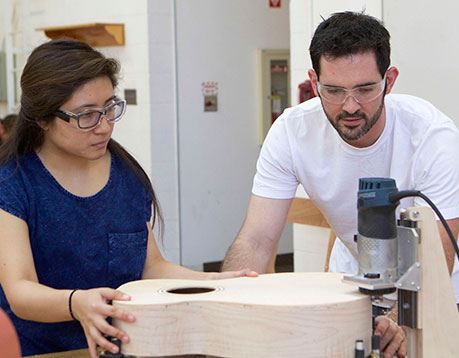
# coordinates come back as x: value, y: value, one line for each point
x: 275, y: 177
x: 437, y: 170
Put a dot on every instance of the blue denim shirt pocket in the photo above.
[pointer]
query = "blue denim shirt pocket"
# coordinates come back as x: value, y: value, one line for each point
x: 127, y: 254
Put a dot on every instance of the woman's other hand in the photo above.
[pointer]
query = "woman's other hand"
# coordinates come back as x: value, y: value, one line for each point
x: 91, y: 308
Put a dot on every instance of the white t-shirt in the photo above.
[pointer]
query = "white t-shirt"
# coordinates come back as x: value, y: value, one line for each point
x: 419, y: 148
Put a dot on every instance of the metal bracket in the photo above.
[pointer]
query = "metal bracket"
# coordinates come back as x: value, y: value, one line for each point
x: 411, y: 279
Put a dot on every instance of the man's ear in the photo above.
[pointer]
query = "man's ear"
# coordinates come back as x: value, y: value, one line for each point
x: 391, y: 77
x: 313, y: 78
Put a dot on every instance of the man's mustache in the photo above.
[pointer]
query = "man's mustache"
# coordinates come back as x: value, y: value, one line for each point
x: 345, y: 114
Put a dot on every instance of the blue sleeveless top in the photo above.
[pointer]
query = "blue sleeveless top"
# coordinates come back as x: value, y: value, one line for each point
x: 77, y: 242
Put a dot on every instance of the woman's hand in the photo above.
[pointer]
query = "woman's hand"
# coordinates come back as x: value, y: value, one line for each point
x: 90, y: 307
x: 232, y: 274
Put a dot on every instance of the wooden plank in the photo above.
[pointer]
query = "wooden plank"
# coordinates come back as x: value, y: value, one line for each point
x: 331, y: 242
x: 81, y: 353
x: 304, y: 211
x: 95, y: 34
x: 438, y: 319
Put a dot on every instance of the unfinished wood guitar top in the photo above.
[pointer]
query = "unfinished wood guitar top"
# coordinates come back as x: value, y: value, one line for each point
x: 276, y: 315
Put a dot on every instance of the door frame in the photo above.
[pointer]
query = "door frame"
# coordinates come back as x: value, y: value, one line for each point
x: 264, y: 58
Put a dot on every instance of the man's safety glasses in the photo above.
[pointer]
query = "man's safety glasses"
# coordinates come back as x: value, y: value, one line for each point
x: 361, y: 94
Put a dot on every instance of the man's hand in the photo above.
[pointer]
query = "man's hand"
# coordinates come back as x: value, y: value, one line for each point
x: 393, y: 338
x: 232, y: 274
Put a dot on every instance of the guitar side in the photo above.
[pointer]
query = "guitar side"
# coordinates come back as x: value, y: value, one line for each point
x: 277, y: 315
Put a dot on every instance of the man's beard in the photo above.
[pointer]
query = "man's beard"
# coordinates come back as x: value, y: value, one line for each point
x: 352, y: 134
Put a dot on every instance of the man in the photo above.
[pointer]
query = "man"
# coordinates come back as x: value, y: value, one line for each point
x: 6, y: 124
x: 353, y: 129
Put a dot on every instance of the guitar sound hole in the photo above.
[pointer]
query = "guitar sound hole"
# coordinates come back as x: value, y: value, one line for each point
x: 190, y: 290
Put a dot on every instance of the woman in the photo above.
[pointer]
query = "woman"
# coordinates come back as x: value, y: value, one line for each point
x: 75, y: 207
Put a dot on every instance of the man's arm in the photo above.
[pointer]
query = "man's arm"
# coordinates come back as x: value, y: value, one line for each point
x: 446, y: 242
x: 257, y: 240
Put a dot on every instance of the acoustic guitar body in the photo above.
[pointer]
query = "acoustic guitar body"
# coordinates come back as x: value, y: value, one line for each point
x: 276, y: 315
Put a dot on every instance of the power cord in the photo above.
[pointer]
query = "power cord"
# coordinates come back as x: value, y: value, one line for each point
x: 396, y: 196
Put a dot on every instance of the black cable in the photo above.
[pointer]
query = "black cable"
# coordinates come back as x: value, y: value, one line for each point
x: 396, y: 196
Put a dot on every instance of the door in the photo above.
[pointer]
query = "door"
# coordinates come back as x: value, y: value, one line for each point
x: 274, y: 68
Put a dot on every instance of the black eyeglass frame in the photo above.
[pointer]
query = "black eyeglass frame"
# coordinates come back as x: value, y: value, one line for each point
x: 67, y: 115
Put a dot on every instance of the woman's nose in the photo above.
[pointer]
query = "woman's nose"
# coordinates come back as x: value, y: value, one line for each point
x: 104, y: 125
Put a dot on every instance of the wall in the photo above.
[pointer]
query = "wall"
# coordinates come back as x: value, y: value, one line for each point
x: 217, y: 41
x: 425, y: 48
x: 163, y: 113
x: 134, y: 130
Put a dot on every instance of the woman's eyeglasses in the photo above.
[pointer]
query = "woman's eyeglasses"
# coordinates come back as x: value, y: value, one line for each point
x: 91, y: 117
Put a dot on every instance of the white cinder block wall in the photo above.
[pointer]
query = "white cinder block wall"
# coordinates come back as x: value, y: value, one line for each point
x: 163, y: 116
x: 134, y: 130
x: 425, y: 48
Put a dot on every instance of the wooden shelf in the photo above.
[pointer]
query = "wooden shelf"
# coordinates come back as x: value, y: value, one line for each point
x: 95, y: 34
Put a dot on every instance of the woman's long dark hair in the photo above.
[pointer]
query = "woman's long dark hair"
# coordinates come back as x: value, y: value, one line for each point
x: 54, y: 70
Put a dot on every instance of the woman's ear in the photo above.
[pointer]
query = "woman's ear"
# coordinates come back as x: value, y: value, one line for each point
x: 43, y: 125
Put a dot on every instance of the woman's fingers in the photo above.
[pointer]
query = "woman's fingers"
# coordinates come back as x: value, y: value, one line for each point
x: 101, y: 341
x: 115, y: 312
x: 114, y: 295
x: 91, y: 345
x: 94, y: 310
x: 112, y: 331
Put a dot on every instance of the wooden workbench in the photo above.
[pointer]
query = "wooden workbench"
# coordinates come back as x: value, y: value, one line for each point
x: 81, y: 353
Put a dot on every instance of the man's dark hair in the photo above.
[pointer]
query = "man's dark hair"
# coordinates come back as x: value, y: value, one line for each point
x: 349, y: 33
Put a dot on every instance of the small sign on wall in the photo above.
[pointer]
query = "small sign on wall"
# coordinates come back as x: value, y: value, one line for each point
x: 130, y: 95
x: 210, y: 94
x: 275, y: 3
